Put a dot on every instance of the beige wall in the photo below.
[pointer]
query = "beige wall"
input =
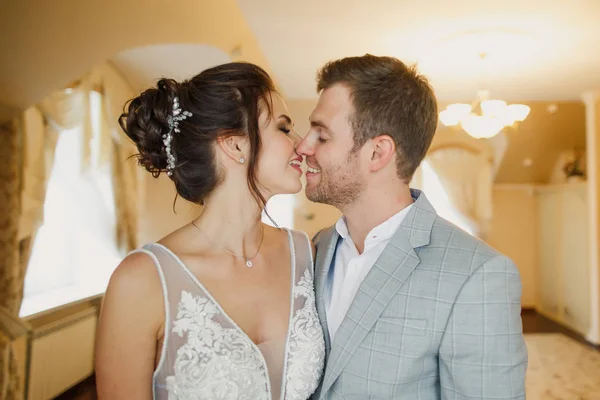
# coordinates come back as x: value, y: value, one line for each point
x: 158, y: 217
x: 592, y: 102
x: 514, y: 233
x: 541, y: 137
x: 594, y: 333
x: 563, y: 257
x: 300, y: 110
x: 45, y: 45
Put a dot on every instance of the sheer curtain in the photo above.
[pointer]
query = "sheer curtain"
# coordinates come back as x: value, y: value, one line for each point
x: 113, y: 92
x: 57, y: 182
x: 11, y: 268
x: 74, y: 249
x: 466, y: 177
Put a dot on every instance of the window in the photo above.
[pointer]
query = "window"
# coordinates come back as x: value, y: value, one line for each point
x: 74, y: 252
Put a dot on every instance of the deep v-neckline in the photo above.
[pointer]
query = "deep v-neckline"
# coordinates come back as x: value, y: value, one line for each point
x: 243, y: 333
x: 218, y: 305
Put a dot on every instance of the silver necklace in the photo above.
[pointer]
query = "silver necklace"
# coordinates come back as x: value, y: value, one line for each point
x: 248, y: 260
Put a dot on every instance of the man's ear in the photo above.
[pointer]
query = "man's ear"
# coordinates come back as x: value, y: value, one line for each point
x: 383, y: 149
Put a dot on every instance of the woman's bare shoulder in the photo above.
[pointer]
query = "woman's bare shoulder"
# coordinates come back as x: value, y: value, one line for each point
x: 136, y: 275
x: 135, y: 291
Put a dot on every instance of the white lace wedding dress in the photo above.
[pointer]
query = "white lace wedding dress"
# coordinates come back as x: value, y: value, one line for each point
x: 207, y: 356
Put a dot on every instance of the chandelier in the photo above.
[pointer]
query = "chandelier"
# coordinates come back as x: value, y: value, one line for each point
x: 485, y: 117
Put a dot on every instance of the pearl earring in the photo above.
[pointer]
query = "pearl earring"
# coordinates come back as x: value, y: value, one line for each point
x: 242, y: 160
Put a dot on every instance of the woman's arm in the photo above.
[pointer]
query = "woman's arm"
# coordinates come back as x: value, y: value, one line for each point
x: 128, y: 330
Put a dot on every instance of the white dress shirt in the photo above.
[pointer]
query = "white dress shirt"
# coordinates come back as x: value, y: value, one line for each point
x: 351, y: 268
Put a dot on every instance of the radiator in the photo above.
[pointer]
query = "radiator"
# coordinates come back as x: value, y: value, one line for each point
x: 61, y: 352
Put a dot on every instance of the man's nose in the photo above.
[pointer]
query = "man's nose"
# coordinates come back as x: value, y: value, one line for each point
x: 304, y: 147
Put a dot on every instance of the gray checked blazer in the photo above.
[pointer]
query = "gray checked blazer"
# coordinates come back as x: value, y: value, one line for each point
x: 437, y: 317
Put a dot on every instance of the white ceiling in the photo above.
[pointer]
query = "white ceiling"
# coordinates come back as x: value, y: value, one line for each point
x: 538, y: 49
x: 144, y: 66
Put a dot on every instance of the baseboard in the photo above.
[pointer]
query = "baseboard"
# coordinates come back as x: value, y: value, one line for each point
x: 557, y: 326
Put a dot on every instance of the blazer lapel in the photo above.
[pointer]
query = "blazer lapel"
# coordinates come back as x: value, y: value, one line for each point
x: 383, y: 281
x: 326, y: 245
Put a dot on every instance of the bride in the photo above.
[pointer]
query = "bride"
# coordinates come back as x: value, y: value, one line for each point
x: 224, y: 307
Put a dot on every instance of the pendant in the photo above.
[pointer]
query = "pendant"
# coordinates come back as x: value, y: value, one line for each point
x: 249, y: 263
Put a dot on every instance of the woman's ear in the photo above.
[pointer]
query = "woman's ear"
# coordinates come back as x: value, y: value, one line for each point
x: 235, y: 147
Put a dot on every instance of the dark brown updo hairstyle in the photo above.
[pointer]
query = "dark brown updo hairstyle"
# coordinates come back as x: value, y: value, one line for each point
x: 226, y: 100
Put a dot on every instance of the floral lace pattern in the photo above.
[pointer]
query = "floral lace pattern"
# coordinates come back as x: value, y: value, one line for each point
x: 306, y: 348
x: 218, y: 362
x: 215, y: 362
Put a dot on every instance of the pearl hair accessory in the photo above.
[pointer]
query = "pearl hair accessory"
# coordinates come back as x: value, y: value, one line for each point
x: 173, y: 120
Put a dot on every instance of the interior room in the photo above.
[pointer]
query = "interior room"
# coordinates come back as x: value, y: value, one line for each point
x: 75, y: 203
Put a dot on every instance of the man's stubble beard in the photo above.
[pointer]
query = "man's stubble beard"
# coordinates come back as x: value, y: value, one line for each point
x: 340, y: 187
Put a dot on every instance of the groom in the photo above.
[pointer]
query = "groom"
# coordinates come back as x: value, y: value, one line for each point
x: 412, y: 307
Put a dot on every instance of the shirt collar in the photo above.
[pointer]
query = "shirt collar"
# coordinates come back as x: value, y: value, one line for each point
x: 381, y: 232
